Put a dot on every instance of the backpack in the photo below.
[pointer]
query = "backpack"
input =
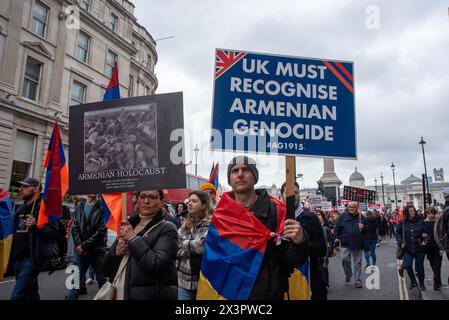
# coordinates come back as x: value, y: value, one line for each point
x: 441, y: 231
x: 59, y: 248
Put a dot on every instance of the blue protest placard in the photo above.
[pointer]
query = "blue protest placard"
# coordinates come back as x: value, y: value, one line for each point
x: 364, y: 206
x: 283, y: 105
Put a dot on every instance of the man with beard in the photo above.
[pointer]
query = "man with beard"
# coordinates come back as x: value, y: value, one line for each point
x: 31, y: 246
x: 318, y: 248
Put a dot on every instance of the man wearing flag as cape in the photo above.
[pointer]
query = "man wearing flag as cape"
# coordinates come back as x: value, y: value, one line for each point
x: 251, y: 248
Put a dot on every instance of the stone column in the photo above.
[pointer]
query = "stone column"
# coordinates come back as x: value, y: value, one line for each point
x: 58, y: 71
x: 331, y: 183
x: 59, y: 60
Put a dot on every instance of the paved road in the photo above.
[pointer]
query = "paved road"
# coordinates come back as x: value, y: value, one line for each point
x: 391, y: 286
x: 388, y: 286
x: 52, y: 287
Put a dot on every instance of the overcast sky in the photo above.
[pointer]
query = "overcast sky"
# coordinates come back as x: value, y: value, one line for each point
x: 401, y: 73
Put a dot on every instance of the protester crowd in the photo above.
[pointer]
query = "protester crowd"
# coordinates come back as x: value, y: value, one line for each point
x: 158, y: 254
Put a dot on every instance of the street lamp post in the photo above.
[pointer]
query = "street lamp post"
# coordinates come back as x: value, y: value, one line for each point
x: 422, y: 143
x: 383, y: 195
x: 375, y: 187
x: 394, y: 185
x: 196, y: 159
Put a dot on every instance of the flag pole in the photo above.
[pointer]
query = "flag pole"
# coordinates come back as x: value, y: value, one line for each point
x: 124, y: 207
x: 38, y: 187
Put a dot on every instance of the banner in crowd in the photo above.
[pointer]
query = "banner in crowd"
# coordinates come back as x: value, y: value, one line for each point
x: 283, y: 105
x: 326, y: 206
x: 359, y: 194
x: 127, y: 145
x: 314, y: 201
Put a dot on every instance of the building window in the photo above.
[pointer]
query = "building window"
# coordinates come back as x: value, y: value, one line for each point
x: 149, y: 61
x: 113, y: 22
x: 111, y: 58
x: 131, y: 86
x: 78, y: 94
x: 40, y: 16
x: 24, y: 149
x: 82, y: 49
x: 85, y: 4
x: 32, y: 79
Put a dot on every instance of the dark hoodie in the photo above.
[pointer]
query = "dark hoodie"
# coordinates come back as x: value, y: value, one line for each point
x: 414, y: 228
x: 36, y: 243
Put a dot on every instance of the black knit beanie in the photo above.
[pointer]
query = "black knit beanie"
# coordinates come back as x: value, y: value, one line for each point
x: 247, y: 161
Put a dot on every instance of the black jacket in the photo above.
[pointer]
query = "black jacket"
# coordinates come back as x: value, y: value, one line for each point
x: 151, y: 272
x: 372, y: 224
x: 383, y: 226
x: 41, y: 240
x: 428, y: 228
x: 414, y: 229
x: 317, y: 251
x: 91, y: 234
x: 317, y: 244
x: 278, y: 261
x: 348, y: 232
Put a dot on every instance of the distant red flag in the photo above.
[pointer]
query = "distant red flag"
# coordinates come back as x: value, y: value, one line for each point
x: 213, y: 178
x: 56, y: 179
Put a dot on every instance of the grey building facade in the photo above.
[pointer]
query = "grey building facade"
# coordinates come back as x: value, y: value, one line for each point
x: 59, y: 53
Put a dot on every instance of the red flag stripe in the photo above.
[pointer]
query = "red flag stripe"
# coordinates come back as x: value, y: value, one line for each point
x: 339, y: 76
x: 343, y: 69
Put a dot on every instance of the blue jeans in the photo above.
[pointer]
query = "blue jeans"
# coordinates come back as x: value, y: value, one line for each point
x: 26, y: 287
x: 91, y: 272
x: 419, y: 265
x: 370, y: 249
x: 83, y: 263
x: 184, y: 294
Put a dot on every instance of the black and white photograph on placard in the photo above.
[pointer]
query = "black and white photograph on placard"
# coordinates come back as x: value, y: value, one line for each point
x: 121, y: 138
x: 127, y: 145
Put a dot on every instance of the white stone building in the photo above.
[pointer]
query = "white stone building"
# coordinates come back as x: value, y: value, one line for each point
x: 47, y: 63
x: 356, y: 179
x: 410, y: 190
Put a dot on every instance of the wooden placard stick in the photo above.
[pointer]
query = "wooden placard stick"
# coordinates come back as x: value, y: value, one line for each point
x: 290, y: 177
x: 124, y: 207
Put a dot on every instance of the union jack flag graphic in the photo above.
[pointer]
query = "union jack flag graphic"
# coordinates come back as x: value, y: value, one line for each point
x: 225, y: 59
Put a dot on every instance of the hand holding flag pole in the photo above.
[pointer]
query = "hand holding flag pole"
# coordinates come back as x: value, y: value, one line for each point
x: 292, y: 228
x: 38, y: 188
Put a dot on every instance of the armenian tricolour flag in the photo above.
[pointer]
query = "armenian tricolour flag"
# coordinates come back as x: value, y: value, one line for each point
x: 6, y: 230
x: 113, y: 90
x: 234, y: 251
x: 112, y: 208
x: 56, y: 179
x: 112, y: 203
x: 299, y: 283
